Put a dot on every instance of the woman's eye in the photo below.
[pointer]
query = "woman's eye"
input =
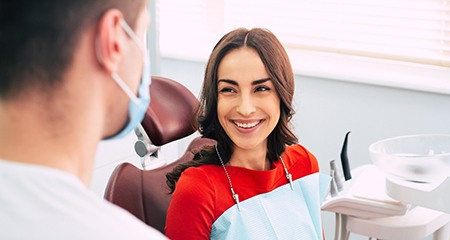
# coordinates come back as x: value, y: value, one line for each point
x: 227, y: 90
x: 262, y: 88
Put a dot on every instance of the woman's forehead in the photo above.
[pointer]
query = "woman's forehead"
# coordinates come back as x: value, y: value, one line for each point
x: 242, y: 65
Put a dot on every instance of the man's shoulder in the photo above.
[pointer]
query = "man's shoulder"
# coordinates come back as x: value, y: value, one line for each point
x: 53, y: 204
x: 117, y: 223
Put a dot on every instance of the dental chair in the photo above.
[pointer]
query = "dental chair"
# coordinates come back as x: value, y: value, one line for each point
x: 143, y: 192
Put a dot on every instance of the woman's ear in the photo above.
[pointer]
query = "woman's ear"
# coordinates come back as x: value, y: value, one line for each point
x: 109, y: 40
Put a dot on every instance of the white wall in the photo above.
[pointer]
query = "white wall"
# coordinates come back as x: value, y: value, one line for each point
x: 326, y: 110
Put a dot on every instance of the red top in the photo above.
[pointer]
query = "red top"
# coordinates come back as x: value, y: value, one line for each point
x: 203, y: 193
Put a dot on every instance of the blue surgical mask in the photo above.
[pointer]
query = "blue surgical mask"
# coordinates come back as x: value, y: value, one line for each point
x: 138, y: 104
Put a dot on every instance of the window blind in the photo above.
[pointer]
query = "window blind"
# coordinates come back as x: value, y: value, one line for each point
x: 416, y: 31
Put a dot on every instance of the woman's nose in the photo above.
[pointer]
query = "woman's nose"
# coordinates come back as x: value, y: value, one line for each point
x: 246, y: 105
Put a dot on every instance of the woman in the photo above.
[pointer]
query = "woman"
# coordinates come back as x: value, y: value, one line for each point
x: 251, y: 184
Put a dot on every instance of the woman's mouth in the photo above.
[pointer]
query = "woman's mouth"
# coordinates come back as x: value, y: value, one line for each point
x: 247, y: 125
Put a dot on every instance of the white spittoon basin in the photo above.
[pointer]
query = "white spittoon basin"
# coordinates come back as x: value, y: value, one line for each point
x: 417, y: 168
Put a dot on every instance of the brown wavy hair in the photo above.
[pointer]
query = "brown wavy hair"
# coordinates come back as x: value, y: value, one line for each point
x: 277, y: 64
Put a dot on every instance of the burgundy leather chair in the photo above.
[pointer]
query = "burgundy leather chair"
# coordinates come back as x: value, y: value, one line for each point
x: 144, y: 193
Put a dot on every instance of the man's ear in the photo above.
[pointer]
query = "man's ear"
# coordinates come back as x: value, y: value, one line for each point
x: 109, y: 40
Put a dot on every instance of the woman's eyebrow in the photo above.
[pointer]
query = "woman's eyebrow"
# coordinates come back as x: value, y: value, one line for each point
x: 256, y: 82
x: 232, y: 82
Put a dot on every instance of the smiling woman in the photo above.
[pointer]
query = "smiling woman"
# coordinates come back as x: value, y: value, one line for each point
x: 248, y: 109
x: 256, y: 165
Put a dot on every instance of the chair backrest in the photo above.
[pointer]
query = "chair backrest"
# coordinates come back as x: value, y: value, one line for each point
x: 144, y: 192
x: 169, y: 116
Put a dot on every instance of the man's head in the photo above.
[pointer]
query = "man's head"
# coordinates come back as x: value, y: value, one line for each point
x: 38, y: 38
x: 64, y: 65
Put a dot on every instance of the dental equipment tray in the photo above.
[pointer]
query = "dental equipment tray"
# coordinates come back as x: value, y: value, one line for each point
x: 364, y: 196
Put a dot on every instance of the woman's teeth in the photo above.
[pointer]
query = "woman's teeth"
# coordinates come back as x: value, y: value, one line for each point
x: 247, y: 125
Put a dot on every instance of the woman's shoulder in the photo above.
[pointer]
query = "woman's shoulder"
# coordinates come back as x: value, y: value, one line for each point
x: 192, y: 174
x: 202, y: 171
x: 298, y: 155
x: 193, y: 204
x: 200, y: 176
x: 195, y: 182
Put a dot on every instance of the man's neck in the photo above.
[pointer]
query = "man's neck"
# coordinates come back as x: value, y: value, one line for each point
x: 31, y: 133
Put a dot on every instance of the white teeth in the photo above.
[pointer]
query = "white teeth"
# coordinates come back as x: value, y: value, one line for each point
x: 246, y: 125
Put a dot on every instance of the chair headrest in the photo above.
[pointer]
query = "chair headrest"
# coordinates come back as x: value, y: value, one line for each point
x: 170, y: 114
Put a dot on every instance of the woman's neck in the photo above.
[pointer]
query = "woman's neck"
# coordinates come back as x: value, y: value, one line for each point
x: 255, y: 159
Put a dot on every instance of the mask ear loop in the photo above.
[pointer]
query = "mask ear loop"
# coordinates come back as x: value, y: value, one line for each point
x: 129, y: 32
x: 125, y: 88
x: 114, y: 75
x: 132, y: 35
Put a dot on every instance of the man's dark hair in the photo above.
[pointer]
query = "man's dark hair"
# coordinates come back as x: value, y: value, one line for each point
x: 38, y: 38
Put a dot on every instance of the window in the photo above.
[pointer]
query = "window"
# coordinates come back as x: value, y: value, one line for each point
x: 189, y: 29
x: 368, y: 34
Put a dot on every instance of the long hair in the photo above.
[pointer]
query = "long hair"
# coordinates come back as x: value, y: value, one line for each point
x: 277, y: 64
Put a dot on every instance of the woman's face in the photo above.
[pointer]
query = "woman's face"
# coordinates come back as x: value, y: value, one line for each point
x: 248, y: 106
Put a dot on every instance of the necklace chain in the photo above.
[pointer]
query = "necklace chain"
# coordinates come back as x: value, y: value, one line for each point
x: 235, y: 195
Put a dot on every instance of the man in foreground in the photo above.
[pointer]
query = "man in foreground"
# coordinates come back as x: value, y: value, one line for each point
x: 72, y: 72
